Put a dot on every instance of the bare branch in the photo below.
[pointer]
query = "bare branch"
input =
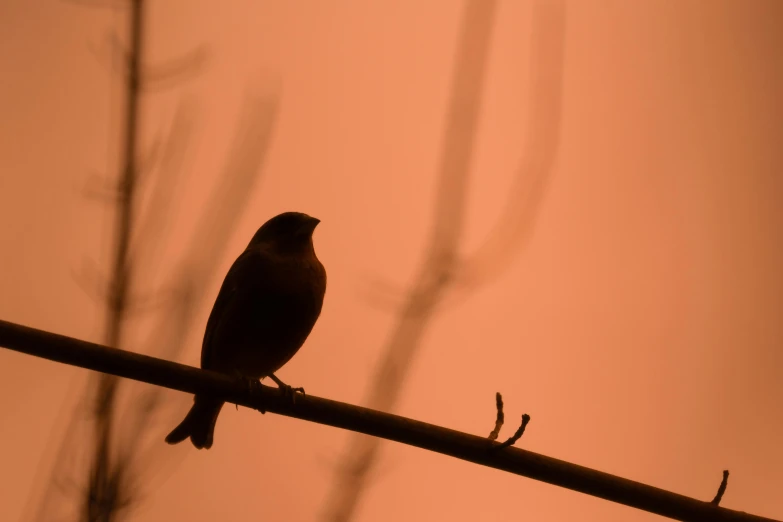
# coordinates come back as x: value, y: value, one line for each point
x: 463, y: 446
x: 499, y: 424
x: 500, y: 418
x: 721, y: 488
x: 441, y: 255
x: 517, y: 434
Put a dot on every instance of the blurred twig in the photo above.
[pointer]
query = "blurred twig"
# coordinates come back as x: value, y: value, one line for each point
x: 119, y: 453
x: 440, y: 263
x: 200, y: 261
x: 471, y: 448
x: 135, y: 446
x: 103, y: 497
x: 443, y: 269
x: 516, y: 223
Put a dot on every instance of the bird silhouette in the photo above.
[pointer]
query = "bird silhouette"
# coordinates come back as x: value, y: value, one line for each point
x: 267, y: 306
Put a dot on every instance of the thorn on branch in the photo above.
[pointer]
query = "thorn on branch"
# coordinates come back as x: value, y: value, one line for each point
x: 516, y: 436
x: 500, y: 417
x: 721, y: 488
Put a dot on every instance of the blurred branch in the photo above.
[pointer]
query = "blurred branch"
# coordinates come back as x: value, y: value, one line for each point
x: 159, y: 77
x: 515, y: 225
x: 464, y: 446
x: 133, y: 452
x: 200, y: 261
x: 150, y: 233
x: 437, y: 272
x: 104, y: 495
x: 112, y: 474
x: 443, y: 269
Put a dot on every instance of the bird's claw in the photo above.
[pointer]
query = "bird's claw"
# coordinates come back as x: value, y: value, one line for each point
x: 253, y: 385
x: 287, y: 390
x: 290, y: 392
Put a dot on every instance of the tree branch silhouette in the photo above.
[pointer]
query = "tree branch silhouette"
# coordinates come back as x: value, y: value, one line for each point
x: 471, y: 448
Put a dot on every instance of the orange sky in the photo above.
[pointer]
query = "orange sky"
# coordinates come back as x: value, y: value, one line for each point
x: 639, y: 325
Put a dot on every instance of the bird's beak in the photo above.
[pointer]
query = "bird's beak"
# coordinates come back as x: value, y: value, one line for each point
x: 309, y: 225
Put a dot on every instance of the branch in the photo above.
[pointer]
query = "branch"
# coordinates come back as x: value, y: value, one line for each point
x: 104, y: 494
x: 463, y: 446
x: 499, y: 424
x: 514, y: 227
x: 517, y: 434
x: 721, y: 488
x: 436, y: 276
x: 499, y: 419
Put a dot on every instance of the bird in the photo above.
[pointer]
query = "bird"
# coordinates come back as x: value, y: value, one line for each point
x: 266, y: 308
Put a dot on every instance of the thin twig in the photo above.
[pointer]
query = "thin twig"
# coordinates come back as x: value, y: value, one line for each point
x: 516, y: 436
x: 721, y: 488
x: 500, y: 418
x: 463, y: 446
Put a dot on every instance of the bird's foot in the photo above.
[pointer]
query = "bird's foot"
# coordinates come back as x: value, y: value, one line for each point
x: 288, y: 391
x: 253, y: 386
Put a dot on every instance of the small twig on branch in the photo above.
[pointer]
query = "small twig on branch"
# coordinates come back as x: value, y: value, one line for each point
x: 516, y: 436
x: 500, y: 418
x: 364, y: 420
x: 499, y: 424
x: 721, y: 488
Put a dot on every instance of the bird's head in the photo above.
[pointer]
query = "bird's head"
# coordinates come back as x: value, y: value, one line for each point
x: 289, y: 231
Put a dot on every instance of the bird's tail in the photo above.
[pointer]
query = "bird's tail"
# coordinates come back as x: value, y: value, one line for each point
x: 198, y: 424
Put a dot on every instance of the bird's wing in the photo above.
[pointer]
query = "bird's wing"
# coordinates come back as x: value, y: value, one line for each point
x: 245, y: 265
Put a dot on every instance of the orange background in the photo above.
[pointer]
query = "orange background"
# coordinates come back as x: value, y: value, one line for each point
x: 639, y: 325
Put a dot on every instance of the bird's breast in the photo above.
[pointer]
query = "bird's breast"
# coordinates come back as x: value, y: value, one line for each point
x: 276, y: 315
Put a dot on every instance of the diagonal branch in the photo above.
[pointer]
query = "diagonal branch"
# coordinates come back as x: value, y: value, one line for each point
x: 471, y: 448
